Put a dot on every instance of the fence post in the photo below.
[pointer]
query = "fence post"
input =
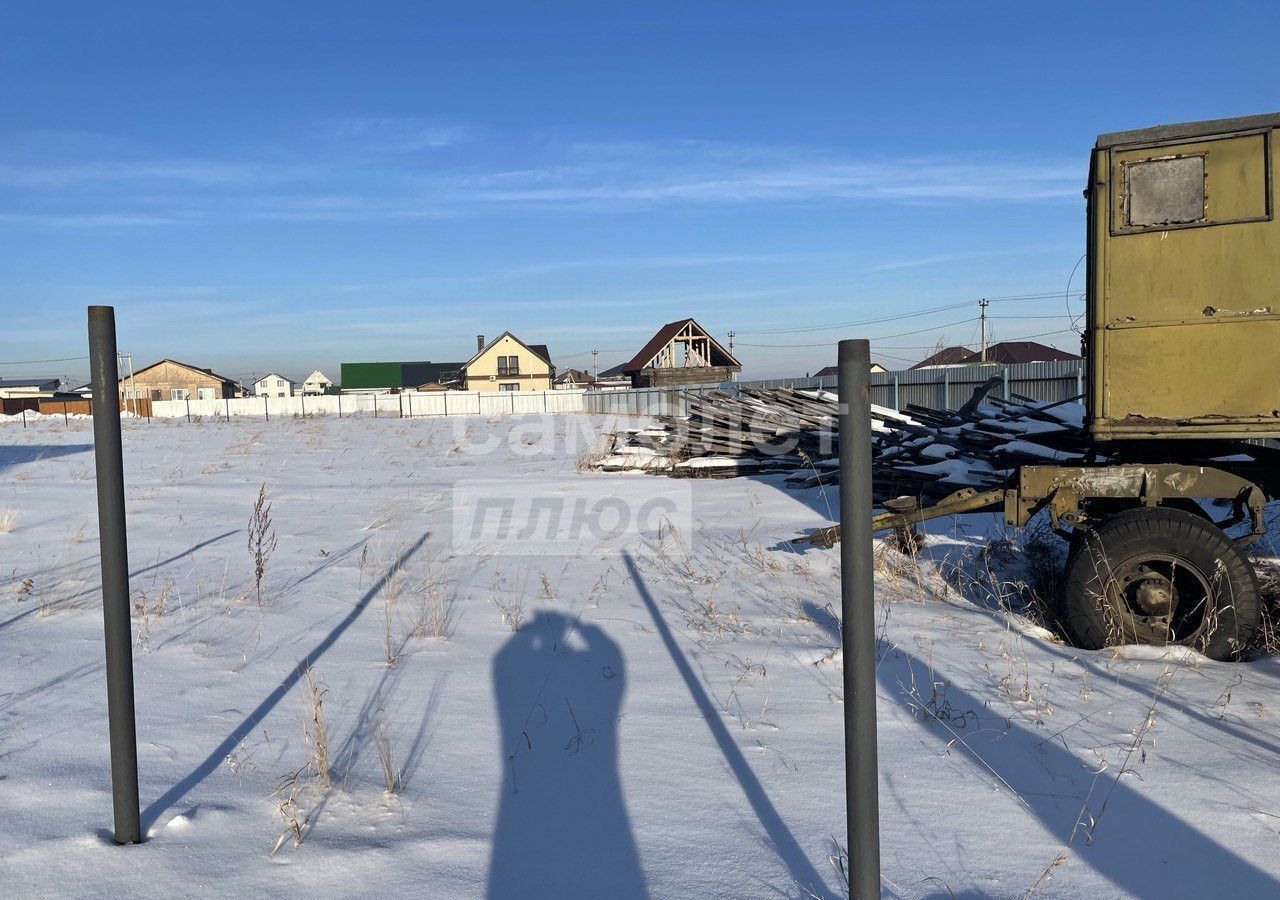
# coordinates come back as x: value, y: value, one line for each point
x: 1006, y: 382
x: 303, y: 398
x: 65, y: 419
x: 446, y: 401
x: 946, y: 389
x: 897, y: 402
x: 513, y: 403
x: 411, y: 406
x: 400, y: 402
x: 188, y: 410
x: 24, y: 417
x: 544, y: 401
x: 109, y: 461
x: 266, y: 408
x: 857, y: 623
x: 226, y: 406
x: 1079, y: 378
x: 339, y: 406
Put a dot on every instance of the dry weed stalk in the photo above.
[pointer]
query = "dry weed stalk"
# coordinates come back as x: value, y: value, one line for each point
x: 314, y: 730
x: 382, y: 744
x: 287, y: 807
x: 8, y: 518
x: 262, y: 539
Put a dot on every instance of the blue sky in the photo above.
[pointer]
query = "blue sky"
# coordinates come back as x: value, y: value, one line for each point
x: 286, y: 186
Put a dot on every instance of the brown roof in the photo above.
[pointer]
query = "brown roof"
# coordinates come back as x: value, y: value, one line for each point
x: 663, y: 337
x: 947, y: 356
x: 1009, y: 352
x: 185, y: 366
x: 1005, y: 353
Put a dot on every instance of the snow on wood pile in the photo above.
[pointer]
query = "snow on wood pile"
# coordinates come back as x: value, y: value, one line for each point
x: 925, y: 452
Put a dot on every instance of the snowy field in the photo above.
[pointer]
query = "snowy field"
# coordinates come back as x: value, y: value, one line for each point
x: 570, y: 711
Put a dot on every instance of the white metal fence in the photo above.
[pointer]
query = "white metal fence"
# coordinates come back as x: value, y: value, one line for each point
x: 410, y: 404
x: 937, y: 388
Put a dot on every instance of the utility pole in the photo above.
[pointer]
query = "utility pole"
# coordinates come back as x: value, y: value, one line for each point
x: 982, y: 318
x: 595, y: 364
x: 732, y: 335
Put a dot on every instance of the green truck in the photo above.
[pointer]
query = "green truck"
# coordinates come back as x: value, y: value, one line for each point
x: 1183, y: 398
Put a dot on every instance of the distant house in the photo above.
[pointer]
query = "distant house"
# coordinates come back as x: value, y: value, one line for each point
x: 570, y: 379
x: 833, y: 371
x: 1003, y: 353
x: 1010, y: 352
x: 317, y: 383
x: 682, y: 352
x: 508, y: 364
x: 169, y: 379
x: 20, y: 388
x: 273, y: 385
x: 947, y: 356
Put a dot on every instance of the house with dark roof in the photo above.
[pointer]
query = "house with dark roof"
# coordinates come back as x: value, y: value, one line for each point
x: 508, y: 364
x: 834, y: 371
x: 169, y: 379
x: 16, y: 388
x: 682, y: 352
x: 1005, y: 353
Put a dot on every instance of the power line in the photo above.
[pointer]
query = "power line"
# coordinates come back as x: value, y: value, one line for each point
x: 33, y: 362
x: 877, y: 338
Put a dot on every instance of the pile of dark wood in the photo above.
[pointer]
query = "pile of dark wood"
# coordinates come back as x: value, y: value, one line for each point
x: 923, y: 452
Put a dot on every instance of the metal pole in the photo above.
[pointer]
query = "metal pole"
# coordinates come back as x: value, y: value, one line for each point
x: 303, y: 398
x: 411, y: 406
x: 857, y: 624
x: 339, y: 406
x: 65, y: 420
x: 446, y: 402
x: 109, y: 461
x: 188, y: 409
x: 266, y: 409
x: 24, y: 417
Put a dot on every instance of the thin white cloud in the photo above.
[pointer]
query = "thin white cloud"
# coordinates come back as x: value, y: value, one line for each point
x: 371, y: 170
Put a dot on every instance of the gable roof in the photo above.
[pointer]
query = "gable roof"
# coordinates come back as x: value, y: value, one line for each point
x: 274, y: 375
x: 575, y: 375
x: 322, y: 377
x: 538, y: 350
x: 947, y: 356
x: 1010, y: 352
x: 183, y: 365
x: 664, y: 336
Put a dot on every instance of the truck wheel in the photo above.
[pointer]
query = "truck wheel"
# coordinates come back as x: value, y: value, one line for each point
x: 1161, y: 576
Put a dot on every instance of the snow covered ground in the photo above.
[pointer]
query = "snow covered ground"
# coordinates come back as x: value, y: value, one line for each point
x: 572, y: 709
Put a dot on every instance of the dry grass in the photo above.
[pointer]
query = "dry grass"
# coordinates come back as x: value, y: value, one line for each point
x: 386, y: 759
x: 8, y: 518
x: 314, y: 730
x: 262, y: 539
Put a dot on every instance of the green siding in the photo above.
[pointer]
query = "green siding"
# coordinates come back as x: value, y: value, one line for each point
x: 357, y: 376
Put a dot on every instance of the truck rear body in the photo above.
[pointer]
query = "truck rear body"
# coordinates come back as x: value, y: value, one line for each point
x: 1183, y: 335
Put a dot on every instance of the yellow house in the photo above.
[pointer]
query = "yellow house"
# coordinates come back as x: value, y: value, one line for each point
x: 509, y: 364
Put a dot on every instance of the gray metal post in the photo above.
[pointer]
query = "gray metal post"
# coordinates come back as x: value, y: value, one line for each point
x: 303, y: 398
x: 411, y: 406
x: 857, y: 628
x: 1006, y: 382
x: 24, y: 417
x: 897, y: 401
x: 946, y: 389
x: 339, y: 406
x: 109, y: 461
x: 1079, y: 378
x: 188, y: 409
x: 266, y: 409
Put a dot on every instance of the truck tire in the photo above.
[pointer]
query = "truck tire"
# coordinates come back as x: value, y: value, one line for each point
x: 1160, y: 576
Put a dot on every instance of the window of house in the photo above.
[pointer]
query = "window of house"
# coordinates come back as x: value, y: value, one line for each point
x: 205, y: 393
x: 508, y: 365
x: 179, y: 394
x: 509, y: 386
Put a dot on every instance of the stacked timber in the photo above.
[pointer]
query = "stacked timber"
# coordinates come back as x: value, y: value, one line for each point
x: 923, y: 452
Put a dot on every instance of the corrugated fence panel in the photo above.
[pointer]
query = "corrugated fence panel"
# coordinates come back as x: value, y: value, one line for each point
x: 407, y: 404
